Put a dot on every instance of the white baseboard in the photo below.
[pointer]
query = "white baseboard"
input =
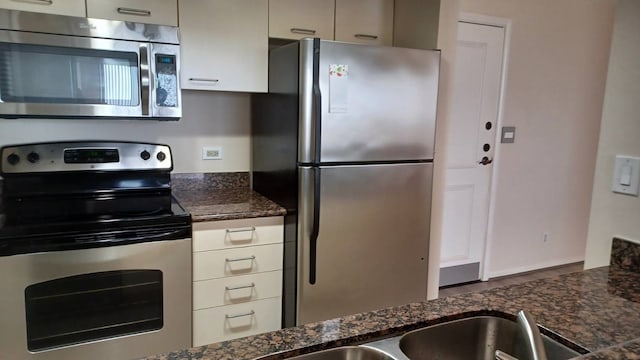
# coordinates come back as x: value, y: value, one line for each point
x: 538, y: 266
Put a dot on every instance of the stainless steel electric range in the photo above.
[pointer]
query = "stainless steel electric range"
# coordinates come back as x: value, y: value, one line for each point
x: 95, y: 253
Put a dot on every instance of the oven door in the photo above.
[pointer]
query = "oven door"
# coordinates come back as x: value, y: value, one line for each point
x: 45, y: 75
x: 117, y: 302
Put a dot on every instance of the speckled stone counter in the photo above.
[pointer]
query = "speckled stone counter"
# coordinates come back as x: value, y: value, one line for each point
x: 221, y: 196
x: 598, y: 309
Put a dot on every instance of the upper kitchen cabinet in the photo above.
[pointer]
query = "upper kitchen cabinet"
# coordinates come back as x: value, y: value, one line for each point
x: 224, y: 44
x: 60, y: 7
x: 364, y: 21
x: 416, y: 23
x: 297, y: 19
x: 163, y: 12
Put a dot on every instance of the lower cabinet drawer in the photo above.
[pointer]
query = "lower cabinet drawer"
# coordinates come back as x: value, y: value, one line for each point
x: 236, y: 289
x: 234, y: 321
x: 214, y: 235
x: 237, y: 261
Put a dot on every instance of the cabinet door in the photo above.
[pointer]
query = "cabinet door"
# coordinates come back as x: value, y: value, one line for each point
x: 163, y: 12
x: 59, y: 7
x: 297, y: 19
x: 365, y: 21
x: 224, y: 44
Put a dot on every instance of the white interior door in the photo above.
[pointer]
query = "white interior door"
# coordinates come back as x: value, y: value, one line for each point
x: 470, y: 150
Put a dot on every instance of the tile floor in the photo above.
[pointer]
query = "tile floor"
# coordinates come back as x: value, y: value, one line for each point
x: 509, y: 280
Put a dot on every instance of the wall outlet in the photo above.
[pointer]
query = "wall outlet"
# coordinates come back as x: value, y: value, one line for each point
x: 211, y: 153
x: 545, y: 237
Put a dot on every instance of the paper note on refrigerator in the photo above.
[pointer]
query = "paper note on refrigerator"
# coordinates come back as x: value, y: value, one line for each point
x: 338, y: 89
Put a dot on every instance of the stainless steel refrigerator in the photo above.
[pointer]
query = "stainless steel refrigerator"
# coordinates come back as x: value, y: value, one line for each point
x: 344, y: 139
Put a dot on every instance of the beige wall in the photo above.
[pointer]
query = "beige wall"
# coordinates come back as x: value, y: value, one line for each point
x: 209, y: 119
x: 447, y: 35
x: 554, y: 91
x: 615, y: 214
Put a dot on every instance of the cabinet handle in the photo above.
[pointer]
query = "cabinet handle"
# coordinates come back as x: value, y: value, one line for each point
x: 135, y: 12
x: 239, y: 287
x: 204, y: 80
x: 303, y: 31
x: 252, y: 257
x: 250, y: 313
x: 366, y: 36
x: 41, y: 2
x: 252, y: 228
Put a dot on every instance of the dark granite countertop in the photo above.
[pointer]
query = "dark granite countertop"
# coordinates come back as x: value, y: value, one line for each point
x: 222, y: 196
x: 598, y: 309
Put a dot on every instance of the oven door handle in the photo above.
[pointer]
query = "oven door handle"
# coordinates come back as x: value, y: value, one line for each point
x: 173, y: 234
x: 77, y: 241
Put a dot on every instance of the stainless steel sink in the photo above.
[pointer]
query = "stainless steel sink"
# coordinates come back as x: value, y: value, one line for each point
x: 345, y: 353
x: 471, y: 338
x: 474, y: 338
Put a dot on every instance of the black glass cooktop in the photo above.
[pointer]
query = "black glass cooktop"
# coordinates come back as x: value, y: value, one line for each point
x: 58, y: 216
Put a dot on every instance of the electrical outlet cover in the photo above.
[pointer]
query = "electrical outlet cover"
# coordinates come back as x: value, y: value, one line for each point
x: 211, y: 153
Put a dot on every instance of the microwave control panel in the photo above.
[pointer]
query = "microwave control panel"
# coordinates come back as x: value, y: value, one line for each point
x: 166, y: 80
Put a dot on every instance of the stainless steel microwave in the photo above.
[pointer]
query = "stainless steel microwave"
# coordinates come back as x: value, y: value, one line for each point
x: 55, y: 66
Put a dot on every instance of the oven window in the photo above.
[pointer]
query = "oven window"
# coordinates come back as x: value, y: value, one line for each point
x: 59, y: 75
x: 93, y: 306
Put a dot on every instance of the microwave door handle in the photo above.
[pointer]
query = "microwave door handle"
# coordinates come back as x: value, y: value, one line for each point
x: 144, y: 79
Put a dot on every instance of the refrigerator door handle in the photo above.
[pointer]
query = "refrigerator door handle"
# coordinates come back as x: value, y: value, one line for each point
x: 309, y: 221
x: 315, y: 227
x: 317, y: 101
x: 310, y: 106
x: 317, y: 115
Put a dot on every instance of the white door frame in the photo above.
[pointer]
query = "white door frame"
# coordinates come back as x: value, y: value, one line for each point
x: 506, y: 25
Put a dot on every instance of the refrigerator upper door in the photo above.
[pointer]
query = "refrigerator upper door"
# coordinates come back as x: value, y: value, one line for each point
x: 373, y: 237
x: 376, y: 103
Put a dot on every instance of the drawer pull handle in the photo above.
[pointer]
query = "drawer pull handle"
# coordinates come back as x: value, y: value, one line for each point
x: 204, y: 80
x: 303, y: 31
x: 41, y: 2
x: 366, y: 36
x: 250, y: 313
x: 135, y: 12
x: 252, y: 228
x: 249, y: 258
x: 238, y: 287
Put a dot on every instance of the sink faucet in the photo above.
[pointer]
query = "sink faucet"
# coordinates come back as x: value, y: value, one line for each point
x: 531, y: 335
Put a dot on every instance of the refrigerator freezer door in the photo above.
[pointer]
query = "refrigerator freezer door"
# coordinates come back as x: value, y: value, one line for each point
x: 373, y: 235
x: 377, y: 103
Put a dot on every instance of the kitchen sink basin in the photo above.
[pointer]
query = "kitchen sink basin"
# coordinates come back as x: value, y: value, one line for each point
x: 472, y: 338
x: 345, y: 353
x: 475, y: 338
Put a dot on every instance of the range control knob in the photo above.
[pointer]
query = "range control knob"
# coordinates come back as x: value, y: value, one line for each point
x: 13, y: 159
x: 145, y: 155
x: 161, y: 156
x: 33, y: 157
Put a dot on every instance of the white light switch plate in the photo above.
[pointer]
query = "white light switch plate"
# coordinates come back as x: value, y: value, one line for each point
x: 626, y: 175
